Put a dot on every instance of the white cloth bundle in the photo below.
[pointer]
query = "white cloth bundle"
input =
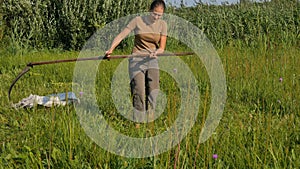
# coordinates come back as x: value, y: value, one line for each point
x: 60, y: 99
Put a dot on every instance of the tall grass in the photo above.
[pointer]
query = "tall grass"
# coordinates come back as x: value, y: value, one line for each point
x: 262, y: 25
x: 259, y: 127
x: 1, y: 23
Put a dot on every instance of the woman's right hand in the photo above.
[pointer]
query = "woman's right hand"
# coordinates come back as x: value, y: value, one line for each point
x: 107, y: 53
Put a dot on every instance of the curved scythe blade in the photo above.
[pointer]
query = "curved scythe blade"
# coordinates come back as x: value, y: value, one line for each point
x: 27, y: 68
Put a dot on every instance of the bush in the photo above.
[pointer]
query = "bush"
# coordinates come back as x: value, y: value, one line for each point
x: 62, y: 23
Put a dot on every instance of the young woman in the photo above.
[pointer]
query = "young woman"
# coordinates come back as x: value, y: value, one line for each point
x: 150, y: 38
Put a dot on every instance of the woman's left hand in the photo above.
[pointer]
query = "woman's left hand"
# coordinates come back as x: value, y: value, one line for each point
x: 154, y: 54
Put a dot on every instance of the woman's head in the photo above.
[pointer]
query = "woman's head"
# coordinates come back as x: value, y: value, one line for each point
x: 157, y: 9
x: 157, y: 3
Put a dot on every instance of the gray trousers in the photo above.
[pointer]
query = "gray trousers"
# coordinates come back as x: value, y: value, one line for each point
x: 144, y: 83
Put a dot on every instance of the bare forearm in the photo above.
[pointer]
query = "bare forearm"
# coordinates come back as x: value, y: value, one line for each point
x: 117, y: 41
x: 162, y: 45
x: 119, y: 38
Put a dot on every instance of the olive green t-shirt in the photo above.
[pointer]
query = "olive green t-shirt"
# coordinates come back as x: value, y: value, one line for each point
x: 147, y: 35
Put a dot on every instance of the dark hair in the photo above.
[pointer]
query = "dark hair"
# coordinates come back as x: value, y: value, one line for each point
x: 157, y: 3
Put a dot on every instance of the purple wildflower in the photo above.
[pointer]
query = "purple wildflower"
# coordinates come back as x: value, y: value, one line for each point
x: 175, y: 70
x: 280, y: 79
x: 215, y: 156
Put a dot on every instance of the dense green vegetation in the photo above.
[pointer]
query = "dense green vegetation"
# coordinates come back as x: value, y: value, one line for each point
x: 257, y: 43
x: 69, y: 23
x: 262, y: 25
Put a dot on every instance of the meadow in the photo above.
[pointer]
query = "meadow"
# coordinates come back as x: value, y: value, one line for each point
x: 259, y: 127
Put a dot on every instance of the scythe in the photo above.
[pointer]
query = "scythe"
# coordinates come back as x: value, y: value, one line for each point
x: 32, y: 64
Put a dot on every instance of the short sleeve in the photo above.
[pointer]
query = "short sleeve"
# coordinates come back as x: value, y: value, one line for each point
x: 132, y: 24
x: 164, y: 29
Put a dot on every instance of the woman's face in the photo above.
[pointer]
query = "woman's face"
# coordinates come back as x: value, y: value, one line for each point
x: 157, y: 13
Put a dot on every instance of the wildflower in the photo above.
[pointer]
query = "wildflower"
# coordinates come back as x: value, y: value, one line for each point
x: 80, y: 93
x: 280, y: 79
x: 175, y: 70
x: 215, y: 156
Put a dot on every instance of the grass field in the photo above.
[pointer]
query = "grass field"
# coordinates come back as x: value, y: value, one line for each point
x: 259, y: 127
x: 258, y: 44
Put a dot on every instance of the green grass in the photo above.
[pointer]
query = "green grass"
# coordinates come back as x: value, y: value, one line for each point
x: 259, y: 127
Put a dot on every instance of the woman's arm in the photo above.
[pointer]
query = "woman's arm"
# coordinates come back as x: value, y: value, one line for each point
x: 162, y: 45
x: 117, y: 41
